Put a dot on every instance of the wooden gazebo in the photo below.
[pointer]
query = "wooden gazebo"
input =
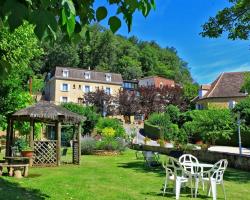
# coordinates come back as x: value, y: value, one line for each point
x: 47, y: 152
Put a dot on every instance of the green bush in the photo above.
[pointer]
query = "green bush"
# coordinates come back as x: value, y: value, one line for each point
x: 211, y: 125
x: 88, y: 111
x: 88, y: 145
x: 110, y: 123
x: 174, y: 113
x: 159, y: 119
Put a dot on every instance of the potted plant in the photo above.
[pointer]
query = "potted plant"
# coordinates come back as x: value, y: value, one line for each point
x: 146, y: 140
x: 27, y: 151
x: 23, y: 147
x: 161, y: 142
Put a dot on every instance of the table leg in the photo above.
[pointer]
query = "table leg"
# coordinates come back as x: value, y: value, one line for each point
x: 26, y: 171
x: 1, y: 170
x: 11, y: 170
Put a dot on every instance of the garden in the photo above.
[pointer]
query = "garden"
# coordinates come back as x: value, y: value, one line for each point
x: 108, y: 177
x: 201, y: 127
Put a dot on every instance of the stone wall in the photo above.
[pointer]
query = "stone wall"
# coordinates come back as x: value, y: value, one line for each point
x: 234, y: 160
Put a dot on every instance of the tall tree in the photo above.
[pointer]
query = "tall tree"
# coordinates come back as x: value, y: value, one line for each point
x: 234, y: 20
x: 19, y: 48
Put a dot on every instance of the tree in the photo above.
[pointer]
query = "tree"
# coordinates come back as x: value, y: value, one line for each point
x: 71, y: 16
x: 129, y: 103
x: 155, y: 99
x: 129, y: 68
x: 246, y: 84
x: 19, y: 48
x: 60, y: 53
x: 211, y: 125
x: 101, y: 100
x: 234, y: 20
x: 87, y: 111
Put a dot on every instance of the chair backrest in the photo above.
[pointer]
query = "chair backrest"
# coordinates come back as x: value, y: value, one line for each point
x: 176, y: 167
x: 219, y: 169
x: 186, y: 159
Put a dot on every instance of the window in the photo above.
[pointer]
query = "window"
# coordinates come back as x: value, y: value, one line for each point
x: 65, y: 73
x: 161, y: 85
x: 65, y: 87
x: 96, y: 88
x: 64, y: 99
x: 80, y: 87
x: 87, y: 75
x: 74, y: 86
x: 87, y: 88
x: 108, y: 90
x: 80, y: 100
x: 108, y: 77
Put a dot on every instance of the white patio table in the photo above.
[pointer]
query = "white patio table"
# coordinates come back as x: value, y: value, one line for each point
x: 198, y: 175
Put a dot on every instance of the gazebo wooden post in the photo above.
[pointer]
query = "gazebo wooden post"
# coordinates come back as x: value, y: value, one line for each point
x: 31, y: 138
x: 79, y: 142
x: 8, y: 137
x: 58, y: 147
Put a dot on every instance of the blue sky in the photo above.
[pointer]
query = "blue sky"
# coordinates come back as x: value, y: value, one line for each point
x: 178, y: 23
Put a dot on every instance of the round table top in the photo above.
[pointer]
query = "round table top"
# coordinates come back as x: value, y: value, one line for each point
x: 203, y: 165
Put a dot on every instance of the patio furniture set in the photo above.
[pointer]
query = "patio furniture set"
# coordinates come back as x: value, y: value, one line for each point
x: 187, y: 169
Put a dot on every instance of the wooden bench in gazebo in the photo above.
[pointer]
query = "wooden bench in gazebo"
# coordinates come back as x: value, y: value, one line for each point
x: 46, y: 152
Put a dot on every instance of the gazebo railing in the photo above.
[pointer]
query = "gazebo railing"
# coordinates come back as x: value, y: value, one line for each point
x: 45, y: 153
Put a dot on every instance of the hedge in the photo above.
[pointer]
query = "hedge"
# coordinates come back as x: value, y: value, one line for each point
x: 234, y: 141
x: 151, y: 131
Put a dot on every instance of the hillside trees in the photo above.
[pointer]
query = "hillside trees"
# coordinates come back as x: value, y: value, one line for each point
x: 108, y: 52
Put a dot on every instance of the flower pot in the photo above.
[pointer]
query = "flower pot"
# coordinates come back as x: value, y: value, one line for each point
x: 199, y: 142
x: 27, y: 153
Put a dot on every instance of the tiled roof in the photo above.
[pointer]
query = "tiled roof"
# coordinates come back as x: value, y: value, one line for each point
x: 78, y: 74
x: 228, y: 84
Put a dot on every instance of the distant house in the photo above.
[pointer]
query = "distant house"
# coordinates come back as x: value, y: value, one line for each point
x: 224, y: 92
x: 156, y: 81
x: 66, y: 84
x: 130, y: 85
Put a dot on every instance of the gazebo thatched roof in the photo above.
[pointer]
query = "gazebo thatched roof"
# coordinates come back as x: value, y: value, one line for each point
x: 47, y: 111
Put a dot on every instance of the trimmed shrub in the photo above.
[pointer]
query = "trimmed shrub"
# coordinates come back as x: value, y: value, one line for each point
x: 152, y: 131
x: 111, y: 144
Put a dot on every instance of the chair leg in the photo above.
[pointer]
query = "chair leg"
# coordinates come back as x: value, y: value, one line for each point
x: 178, y: 189
x: 191, y: 186
x: 223, y: 188
x: 165, y: 186
x: 208, y: 189
x: 213, y: 186
x: 196, y: 186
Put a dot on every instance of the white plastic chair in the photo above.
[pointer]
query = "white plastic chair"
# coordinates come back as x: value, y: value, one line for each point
x: 187, y: 160
x: 214, y: 177
x: 176, y: 173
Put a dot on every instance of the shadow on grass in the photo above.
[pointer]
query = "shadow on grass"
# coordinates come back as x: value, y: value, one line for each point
x: 139, y: 166
x: 10, y: 190
x: 237, y: 176
x: 185, y: 192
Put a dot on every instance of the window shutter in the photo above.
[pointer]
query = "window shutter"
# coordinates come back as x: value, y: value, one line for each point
x: 90, y: 88
x: 111, y: 91
x: 62, y: 87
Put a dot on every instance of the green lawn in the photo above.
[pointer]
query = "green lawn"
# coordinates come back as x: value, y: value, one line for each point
x: 111, y: 177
